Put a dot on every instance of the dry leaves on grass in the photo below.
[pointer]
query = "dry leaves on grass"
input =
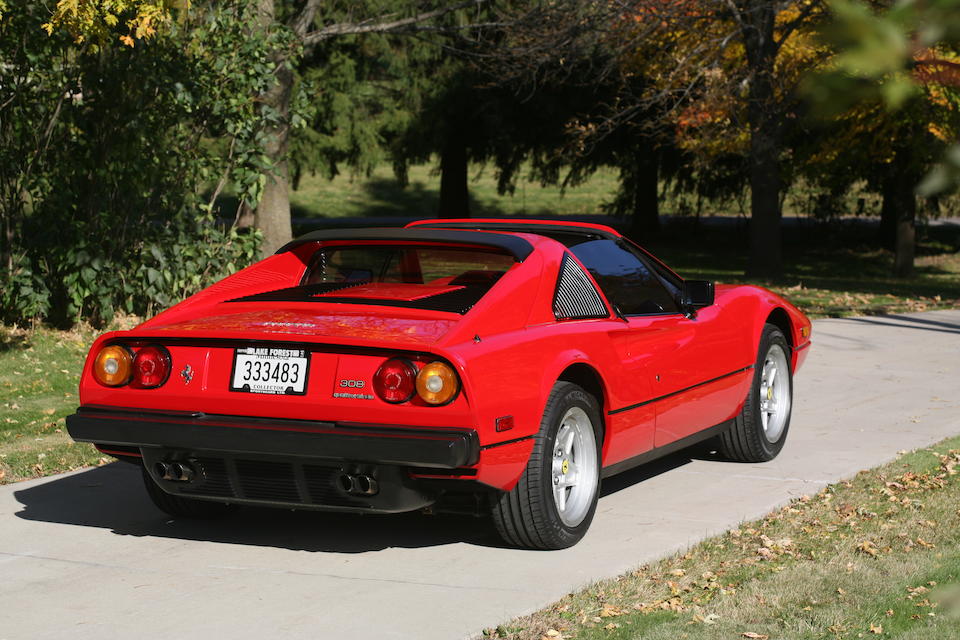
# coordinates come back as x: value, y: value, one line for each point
x: 754, y: 636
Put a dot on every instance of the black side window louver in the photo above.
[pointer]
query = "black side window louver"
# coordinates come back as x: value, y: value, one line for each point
x: 576, y: 296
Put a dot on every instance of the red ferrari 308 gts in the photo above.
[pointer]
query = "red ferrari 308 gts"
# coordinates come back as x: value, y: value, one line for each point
x: 500, y: 366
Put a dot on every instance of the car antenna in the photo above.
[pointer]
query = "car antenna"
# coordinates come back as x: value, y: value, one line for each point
x: 619, y: 313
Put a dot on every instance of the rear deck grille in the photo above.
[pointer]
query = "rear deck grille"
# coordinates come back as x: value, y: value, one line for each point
x: 277, y: 482
x: 217, y: 480
x: 273, y: 481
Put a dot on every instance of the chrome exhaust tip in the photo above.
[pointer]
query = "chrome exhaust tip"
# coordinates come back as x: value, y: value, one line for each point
x: 358, y: 484
x: 183, y: 472
x: 164, y: 470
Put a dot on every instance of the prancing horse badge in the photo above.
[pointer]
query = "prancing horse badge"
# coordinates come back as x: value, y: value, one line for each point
x: 187, y: 374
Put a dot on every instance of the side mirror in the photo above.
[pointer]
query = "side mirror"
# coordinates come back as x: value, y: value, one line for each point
x: 695, y: 295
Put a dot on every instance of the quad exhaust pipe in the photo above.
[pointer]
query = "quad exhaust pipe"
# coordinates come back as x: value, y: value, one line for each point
x: 358, y: 484
x: 176, y: 470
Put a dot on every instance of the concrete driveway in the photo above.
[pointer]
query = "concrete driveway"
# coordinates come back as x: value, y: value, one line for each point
x: 86, y: 554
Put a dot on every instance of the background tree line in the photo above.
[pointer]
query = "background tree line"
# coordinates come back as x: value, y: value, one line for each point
x: 123, y: 123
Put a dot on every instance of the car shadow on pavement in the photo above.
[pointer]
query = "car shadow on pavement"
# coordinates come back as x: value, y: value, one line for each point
x: 112, y: 497
x: 656, y: 467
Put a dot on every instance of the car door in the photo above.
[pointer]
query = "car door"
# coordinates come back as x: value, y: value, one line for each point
x: 685, y: 359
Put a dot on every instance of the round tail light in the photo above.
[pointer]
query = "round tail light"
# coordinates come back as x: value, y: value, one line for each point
x: 395, y: 381
x: 437, y: 383
x: 113, y: 366
x: 151, y: 367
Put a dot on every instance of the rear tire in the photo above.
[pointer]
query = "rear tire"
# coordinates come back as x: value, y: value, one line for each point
x: 553, y: 504
x: 180, y: 507
x: 760, y: 430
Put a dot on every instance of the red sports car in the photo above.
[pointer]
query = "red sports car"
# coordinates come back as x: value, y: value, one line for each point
x: 500, y: 366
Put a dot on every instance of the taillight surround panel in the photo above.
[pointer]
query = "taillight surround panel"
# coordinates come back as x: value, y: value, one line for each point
x: 420, y: 375
x: 134, y: 365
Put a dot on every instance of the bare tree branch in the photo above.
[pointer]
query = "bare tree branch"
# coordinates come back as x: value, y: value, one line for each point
x: 302, y: 21
x: 384, y: 24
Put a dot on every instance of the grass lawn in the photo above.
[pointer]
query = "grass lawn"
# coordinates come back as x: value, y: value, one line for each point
x: 39, y: 372
x: 830, y: 270
x: 380, y: 195
x: 877, y: 556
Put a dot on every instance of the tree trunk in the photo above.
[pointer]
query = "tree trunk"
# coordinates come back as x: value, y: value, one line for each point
x: 764, y: 117
x: 646, y: 191
x: 899, y: 210
x: 273, y: 211
x: 906, y: 241
x: 454, y: 192
x: 888, y: 211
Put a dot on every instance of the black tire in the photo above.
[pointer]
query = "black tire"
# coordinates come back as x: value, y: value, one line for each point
x: 528, y: 516
x: 180, y: 507
x: 747, y: 440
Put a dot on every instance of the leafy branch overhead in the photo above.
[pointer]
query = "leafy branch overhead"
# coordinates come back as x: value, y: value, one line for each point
x: 907, y: 51
x: 131, y: 20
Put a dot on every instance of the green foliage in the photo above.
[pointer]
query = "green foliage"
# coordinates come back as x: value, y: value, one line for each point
x: 112, y: 162
x: 899, y: 56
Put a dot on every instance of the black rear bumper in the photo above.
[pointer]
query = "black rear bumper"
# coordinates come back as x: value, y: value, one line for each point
x: 446, y: 448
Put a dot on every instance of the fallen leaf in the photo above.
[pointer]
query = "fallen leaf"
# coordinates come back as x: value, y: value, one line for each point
x: 876, y: 629
x: 754, y: 636
x: 49, y: 412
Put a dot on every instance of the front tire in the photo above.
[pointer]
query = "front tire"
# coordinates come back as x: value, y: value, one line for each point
x: 180, y: 507
x: 760, y: 430
x: 553, y: 503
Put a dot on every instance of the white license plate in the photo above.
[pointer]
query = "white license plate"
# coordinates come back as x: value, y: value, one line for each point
x: 269, y: 370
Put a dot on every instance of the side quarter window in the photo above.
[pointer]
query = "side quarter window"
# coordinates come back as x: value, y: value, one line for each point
x: 576, y: 297
x: 626, y: 280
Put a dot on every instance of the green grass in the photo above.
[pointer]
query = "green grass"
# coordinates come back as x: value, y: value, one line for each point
x: 380, y: 195
x: 39, y: 374
x: 875, y: 556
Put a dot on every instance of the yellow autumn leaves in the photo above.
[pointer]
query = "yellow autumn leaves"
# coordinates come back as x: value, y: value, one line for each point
x: 100, y: 21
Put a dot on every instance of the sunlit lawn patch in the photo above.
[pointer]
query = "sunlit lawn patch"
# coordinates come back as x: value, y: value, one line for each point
x: 875, y: 556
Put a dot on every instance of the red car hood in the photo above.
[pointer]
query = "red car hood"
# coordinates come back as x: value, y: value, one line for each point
x: 339, y: 326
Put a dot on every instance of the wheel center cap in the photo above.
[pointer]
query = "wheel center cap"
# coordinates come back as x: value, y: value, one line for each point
x: 565, y: 467
x: 769, y: 393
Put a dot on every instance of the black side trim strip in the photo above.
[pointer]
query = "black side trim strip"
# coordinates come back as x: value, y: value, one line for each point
x: 670, y: 395
x: 666, y: 449
x: 500, y: 444
x: 518, y: 247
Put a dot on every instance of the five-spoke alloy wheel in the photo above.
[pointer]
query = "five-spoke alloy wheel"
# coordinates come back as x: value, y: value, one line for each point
x: 552, y: 505
x: 760, y: 430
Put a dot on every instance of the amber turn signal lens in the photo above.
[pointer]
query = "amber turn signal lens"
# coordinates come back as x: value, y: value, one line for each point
x: 437, y: 383
x: 113, y: 366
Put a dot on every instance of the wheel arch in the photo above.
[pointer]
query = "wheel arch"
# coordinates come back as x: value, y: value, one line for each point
x: 781, y: 320
x: 585, y: 376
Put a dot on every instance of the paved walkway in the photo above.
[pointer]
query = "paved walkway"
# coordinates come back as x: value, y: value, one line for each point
x: 85, y: 554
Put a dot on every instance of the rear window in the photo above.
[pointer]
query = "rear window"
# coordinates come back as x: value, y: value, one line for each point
x: 428, y: 277
x: 412, y: 265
